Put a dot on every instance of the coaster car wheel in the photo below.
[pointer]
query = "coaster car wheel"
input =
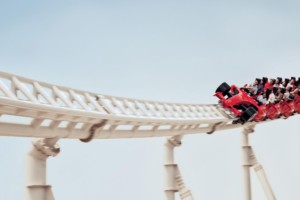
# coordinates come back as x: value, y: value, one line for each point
x: 248, y: 114
x: 224, y: 88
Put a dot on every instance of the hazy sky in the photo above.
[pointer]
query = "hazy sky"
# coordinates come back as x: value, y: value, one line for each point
x: 175, y: 51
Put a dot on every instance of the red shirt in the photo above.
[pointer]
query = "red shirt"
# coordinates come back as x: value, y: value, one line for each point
x: 267, y: 86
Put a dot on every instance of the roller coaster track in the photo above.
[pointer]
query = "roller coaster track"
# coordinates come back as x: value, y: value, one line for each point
x: 30, y: 108
x: 47, y: 111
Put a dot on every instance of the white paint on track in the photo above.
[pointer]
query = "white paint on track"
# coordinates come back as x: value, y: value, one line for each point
x: 38, y: 109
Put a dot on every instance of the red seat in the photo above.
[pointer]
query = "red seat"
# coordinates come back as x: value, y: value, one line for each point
x: 273, y: 111
x: 297, y: 104
x: 287, y: 108
x: 261, y: 114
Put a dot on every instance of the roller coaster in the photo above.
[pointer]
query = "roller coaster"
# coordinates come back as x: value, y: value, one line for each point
x: 48, y: 113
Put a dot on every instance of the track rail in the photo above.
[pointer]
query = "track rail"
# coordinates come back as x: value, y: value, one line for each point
x: 31, y: 108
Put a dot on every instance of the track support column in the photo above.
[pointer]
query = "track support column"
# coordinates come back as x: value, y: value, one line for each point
x: 249, y: 160
x: 36, y: 168
x: 246, y: 162
x: 174, y: 180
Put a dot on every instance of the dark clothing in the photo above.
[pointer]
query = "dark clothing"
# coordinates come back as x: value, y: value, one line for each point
x: 260, y: 88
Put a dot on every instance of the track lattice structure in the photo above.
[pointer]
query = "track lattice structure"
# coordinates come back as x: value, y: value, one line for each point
x: 48, y: 111
x: 36, y: 109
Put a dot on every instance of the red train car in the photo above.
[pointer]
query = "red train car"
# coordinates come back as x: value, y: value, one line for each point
x: 246, y: 108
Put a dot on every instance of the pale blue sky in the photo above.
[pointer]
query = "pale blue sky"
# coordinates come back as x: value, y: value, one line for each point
x: 176, y: 51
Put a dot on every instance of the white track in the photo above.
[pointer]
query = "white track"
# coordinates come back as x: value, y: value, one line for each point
x: 29, y: 108
x: 49, y: 111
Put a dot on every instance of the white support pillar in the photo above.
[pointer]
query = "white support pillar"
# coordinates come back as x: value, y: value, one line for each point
x: 185, y: 194
x: 249, y: 160
x: 36, y: 168
x: 174, y: 180
x: 246, y: 162
x: 260, y: 172
x: 170, y: 169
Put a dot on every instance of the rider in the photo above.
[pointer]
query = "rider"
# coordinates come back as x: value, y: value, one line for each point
x: 281, y: 92
x: 260, y: 86
x: 271, y: 96
x: 287, y: 93
x: 269, y: 84
x: 262, y: 98
x: 253, y: 88
x: 292, y: 83
x: 278, y: 82
x: 285, y: 82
